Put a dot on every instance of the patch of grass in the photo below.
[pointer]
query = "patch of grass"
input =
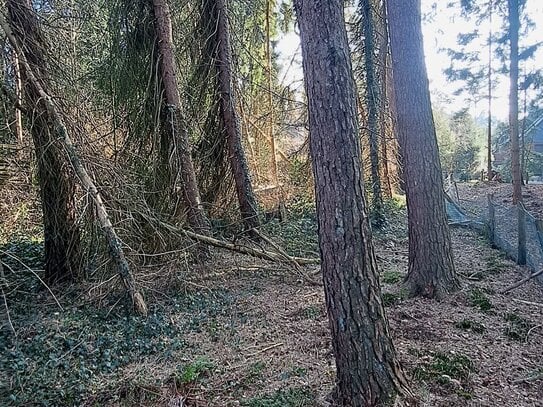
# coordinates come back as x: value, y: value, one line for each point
x: 312, y: 312
x: 390, y: 299
x: 392, y: 277
x: 292, y: 397
x: 495, y: 264
x: 470, y: 325
x: 442, y: 367
x: 478, y: 299
x: 296, y: 371
x: 194, y: 371
x: 517, y: 327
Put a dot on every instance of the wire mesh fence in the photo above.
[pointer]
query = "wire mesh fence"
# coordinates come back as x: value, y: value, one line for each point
x: 522, y: 245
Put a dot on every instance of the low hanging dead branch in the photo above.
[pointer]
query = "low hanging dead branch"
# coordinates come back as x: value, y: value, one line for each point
x: 115, y: 250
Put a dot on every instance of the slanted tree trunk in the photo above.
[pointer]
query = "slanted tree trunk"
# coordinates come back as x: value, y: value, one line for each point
x: 236, y: 153
x: 30, y: 49
x: 431, y: 269
x: 174, y: 136
x: 372, y: 102
x: 61, y: 234
x: 368, y: 372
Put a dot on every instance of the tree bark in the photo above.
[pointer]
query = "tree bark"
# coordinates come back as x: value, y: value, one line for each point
x: 372, y: 102
x: 431, y: 269
x: 57, y: 188
x: 174, y: 137
x: 514, y: 25
x: 22, y: 17
x: 368, y: 372
x: 236, y: 153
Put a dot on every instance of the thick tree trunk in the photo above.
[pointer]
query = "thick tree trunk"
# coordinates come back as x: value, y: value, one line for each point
x: 236, y: 154
x: 372, y: 102
x: 368, y: 373
x: 61, y: 234
x: 431, y: 269
x: 22, y: 17
x: 174, y: 137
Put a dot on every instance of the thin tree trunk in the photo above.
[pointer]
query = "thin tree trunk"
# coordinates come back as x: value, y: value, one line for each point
x: 18, y: 98
x: 236, y: 154
x: 271, y: 135
x: 174, y: 134
x: 489, y: 129
x: 523, y: 174
x: 367, y: 370
x: 22, y: 16
x: 61, y: 234
x: 383, y: 61
x: 514, y: 25
x: 372, y: 101
x: 431, y: 270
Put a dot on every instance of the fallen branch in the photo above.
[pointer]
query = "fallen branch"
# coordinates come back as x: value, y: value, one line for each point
x: 261, y: 254
x: 287, y: 257
x: 521, y: 282
x: 114, y: 243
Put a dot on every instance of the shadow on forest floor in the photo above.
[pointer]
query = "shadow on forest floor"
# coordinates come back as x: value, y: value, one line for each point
x: 250, y: 333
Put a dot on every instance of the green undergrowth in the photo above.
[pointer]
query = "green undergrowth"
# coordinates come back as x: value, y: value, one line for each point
x: 292, y: 397
x: 448, y: 370
x: 62, y: 358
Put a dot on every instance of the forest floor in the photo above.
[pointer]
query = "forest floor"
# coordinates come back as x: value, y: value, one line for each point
x: 243, y: 332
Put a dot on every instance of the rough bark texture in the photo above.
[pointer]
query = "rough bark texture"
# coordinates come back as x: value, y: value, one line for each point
x: 236, y: 153
x: 373, y: 96
x: 431, y: 269
x: 61, y: 234
x: 368, y: 372
x: 174, y: 137
x: 514, y: 25
x: 21, y: 13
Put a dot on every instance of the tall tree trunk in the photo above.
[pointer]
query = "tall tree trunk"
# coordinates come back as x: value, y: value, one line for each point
x: 372, y: 101
x: 174, y: 136
x: 489, y: 125
x: 383, y: 107
x: 271, y: 135
x: 57, y: 188
x: 431, y: 269
x: 236, y: 154
x: 368, y: 372
x: 514, y: 25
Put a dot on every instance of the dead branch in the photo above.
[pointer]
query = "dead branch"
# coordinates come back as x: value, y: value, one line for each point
x: 287, y: 257
x: 114, y: 243
x: 521, y: 282
x: 261, y: 254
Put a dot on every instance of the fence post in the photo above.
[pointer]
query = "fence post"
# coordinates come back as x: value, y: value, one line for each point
x: 521, y: 257
x: 491, y: 220
x: 539, y: 231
